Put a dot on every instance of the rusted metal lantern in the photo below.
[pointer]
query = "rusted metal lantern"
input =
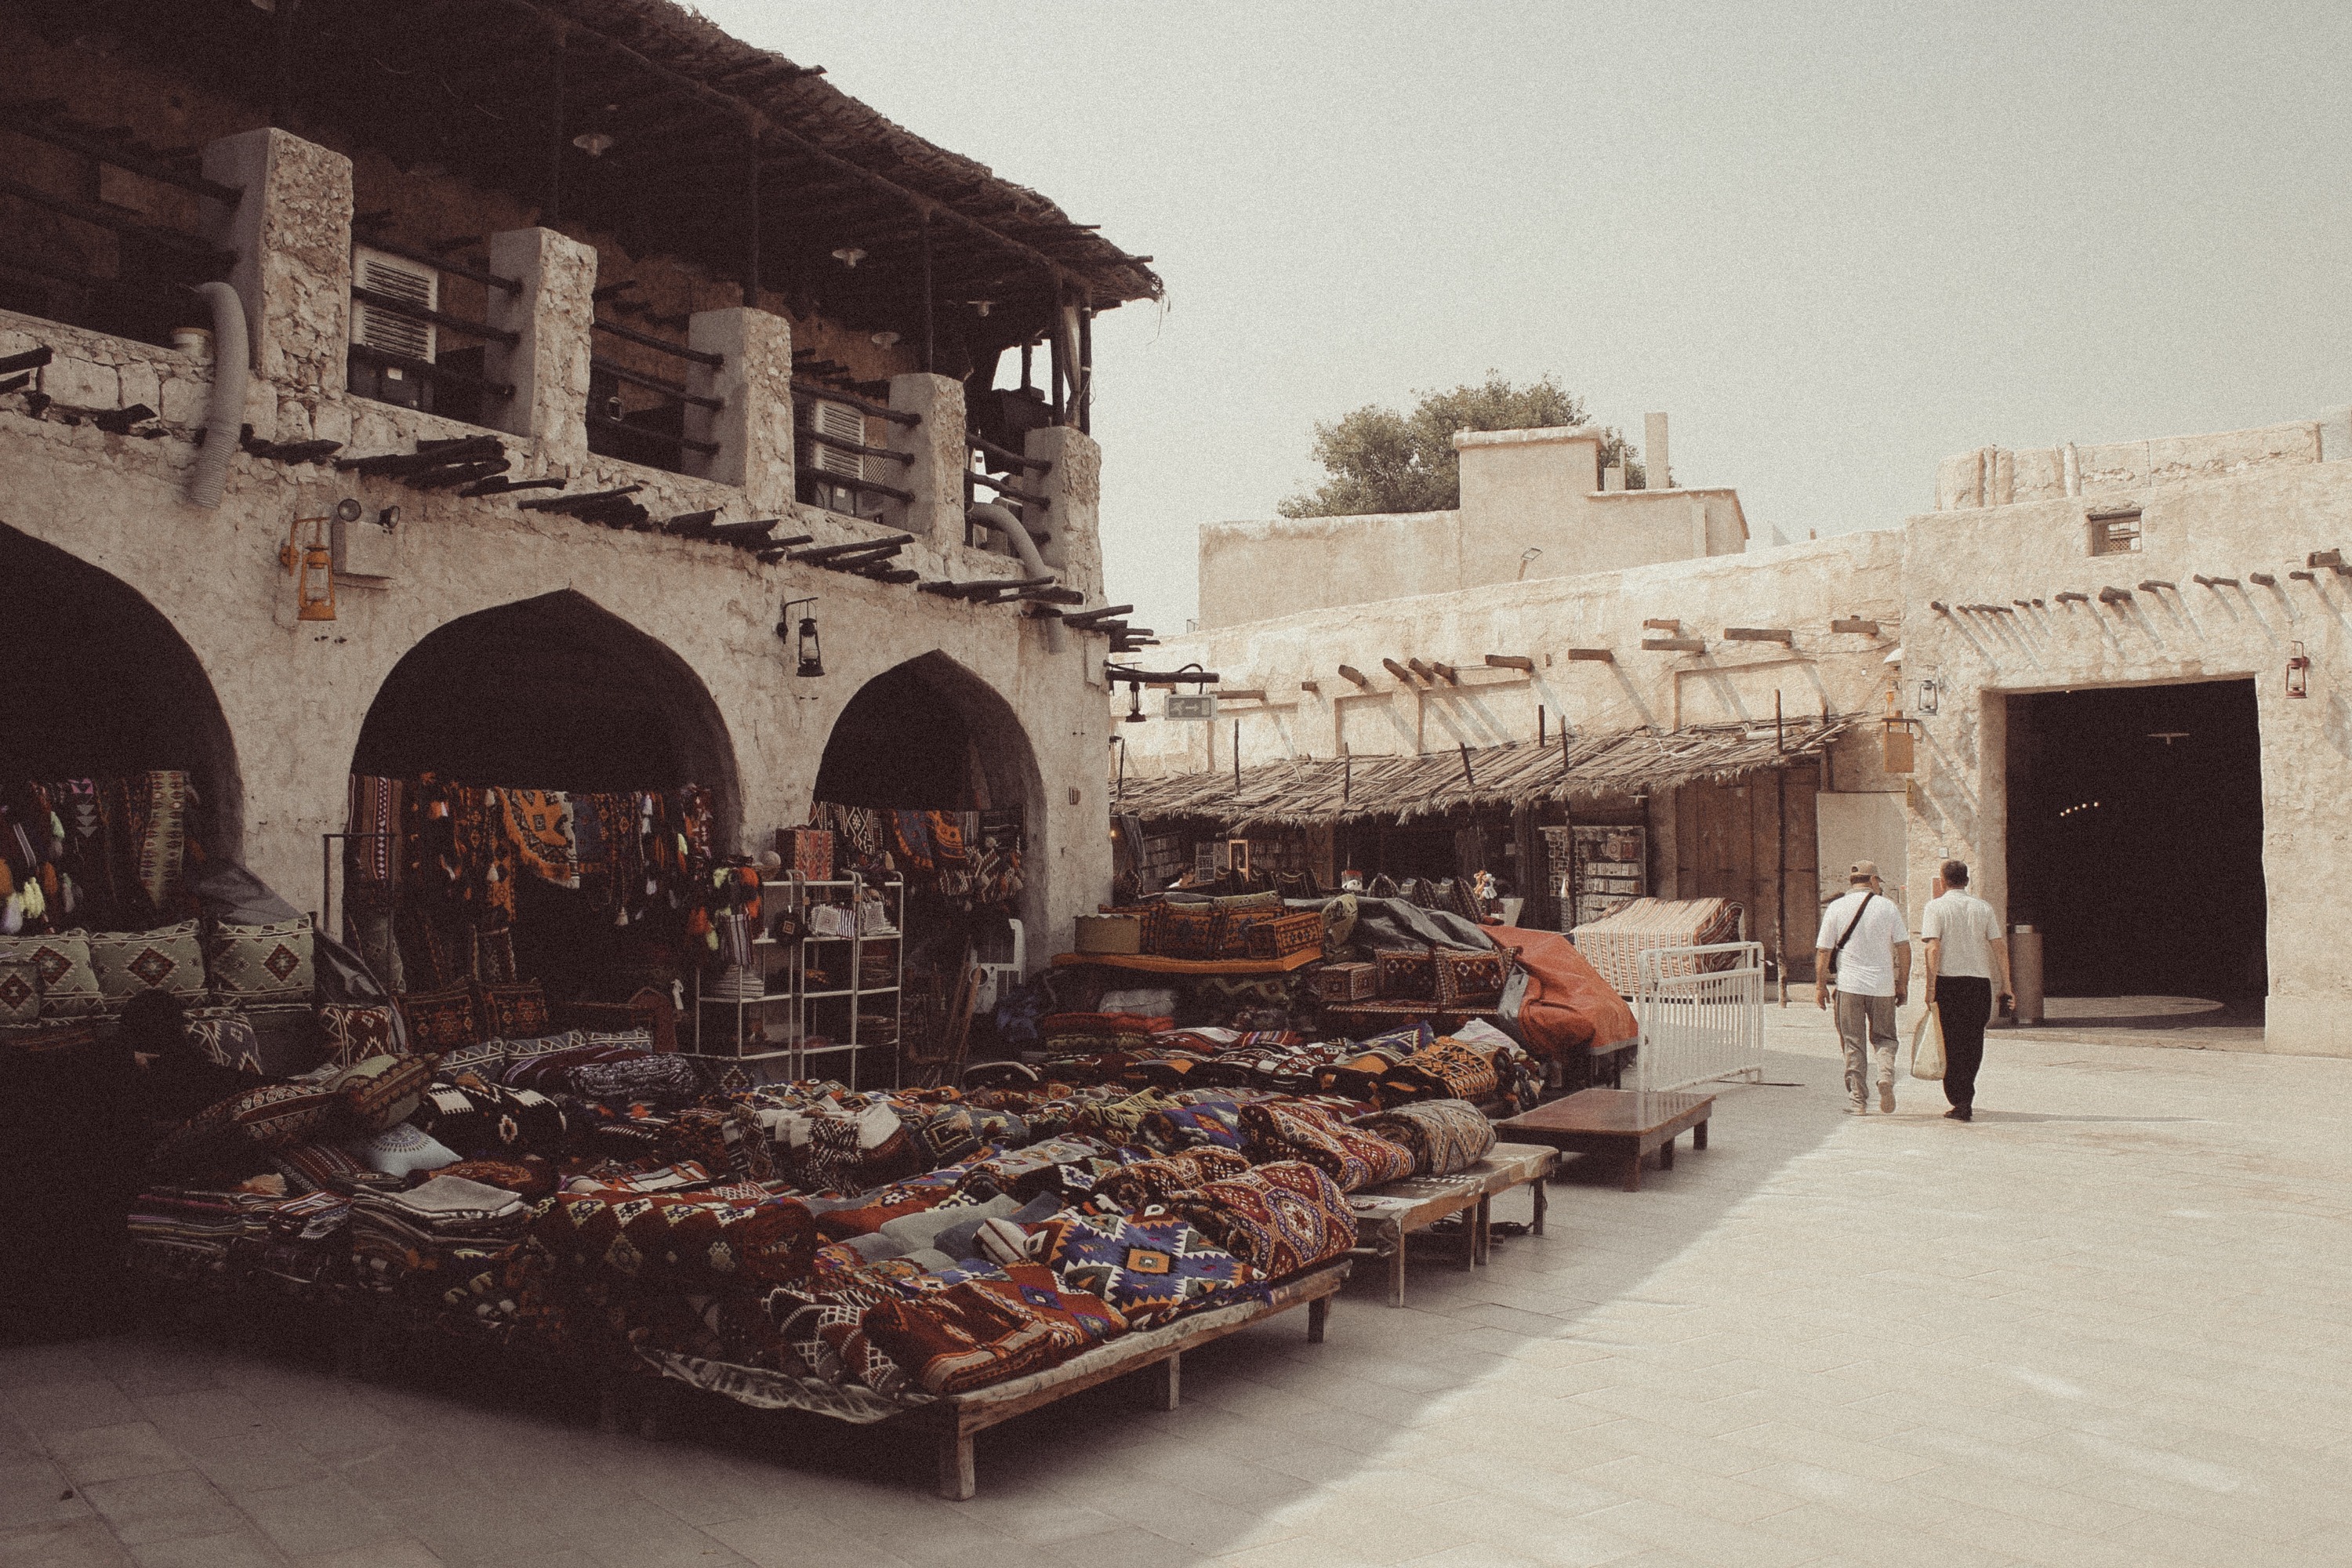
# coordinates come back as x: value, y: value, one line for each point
x: 311, y: 560
x: 2298, y: 672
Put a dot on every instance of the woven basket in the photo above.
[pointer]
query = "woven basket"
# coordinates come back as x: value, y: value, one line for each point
x: 1613, y: 943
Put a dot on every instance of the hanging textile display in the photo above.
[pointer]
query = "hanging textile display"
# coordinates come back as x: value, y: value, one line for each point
x: 538, y: 823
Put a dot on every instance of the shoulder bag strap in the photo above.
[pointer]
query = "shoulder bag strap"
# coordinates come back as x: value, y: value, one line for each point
x: 1861, y: 910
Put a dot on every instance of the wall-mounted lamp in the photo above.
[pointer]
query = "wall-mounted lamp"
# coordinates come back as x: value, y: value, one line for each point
x: 596, y: 144
x: 1931, y: 693
x: 2298, y: 672
x: 810, y: 654
x: 885, y: 339
x: 312, y: 561
x: 849, y: 256
x: 982, y: 306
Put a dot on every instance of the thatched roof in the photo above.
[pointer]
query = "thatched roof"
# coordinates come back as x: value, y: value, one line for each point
x: 474, y: 87
x: 1300, y: 794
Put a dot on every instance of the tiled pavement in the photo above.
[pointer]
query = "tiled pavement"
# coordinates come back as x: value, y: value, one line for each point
x: 2106, y: 1324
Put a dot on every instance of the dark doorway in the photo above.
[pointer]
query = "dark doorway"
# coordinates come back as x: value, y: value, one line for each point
x: 2135, y: 838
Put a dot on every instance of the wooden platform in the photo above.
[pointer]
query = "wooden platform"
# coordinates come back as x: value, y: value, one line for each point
x: 1152, y: 963
x: 1624, y: 1124
x: 1386, y: 1216
x: 1508, y: 1165
x: 963, y: 1416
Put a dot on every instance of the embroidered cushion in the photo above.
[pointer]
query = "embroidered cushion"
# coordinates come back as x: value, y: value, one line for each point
x: 261, y: 964
x: 486, y: 1061
x: 1354, y: 1158
x: 381, y: 1090
x: 67, y: 985
x: 1238, y: 935
x: 127, y: 962
x: 276, y: 1114
x: 1284, y: 935
x: 355, y: 1031
x: 1148, y: 1270
x: 227, y: 1037
x: 1407, y: 973
x: 1448, y: 1069
x: 637, y: 1076
x: 1266, y: 898
x: 1473, y: 979
x: 439, y: 1021
x: 400, y: 1149
x: 1278, y: 1218
x: 20, y: 990
x: 1184, y: 930
x: 511, y: 1012
x: 481, y: 1121
x: 1444, y: 1135
x: 679, y: 1241
x: 980, y: 1331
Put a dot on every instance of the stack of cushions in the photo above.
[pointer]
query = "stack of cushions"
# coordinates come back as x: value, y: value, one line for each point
x: 678, y: 1241
x: 67, y: 984
x: 1444, y: 1135
x: 1356, y: 1159
x: 429, y: 1240
x: 79, y: 973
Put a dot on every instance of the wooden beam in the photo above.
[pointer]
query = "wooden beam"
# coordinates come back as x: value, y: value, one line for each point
x: 1674, y: 645
x: 1348, y: 672
x: 1400, y: 671
x: 1240, y: 696
x: 1856, y: 624
x: 1780, y: 634
x: 1665, y: 625
x: 1423, y: 670
x: 1510, y: 661
x: 1591, y: 656
x: 1452, y: 675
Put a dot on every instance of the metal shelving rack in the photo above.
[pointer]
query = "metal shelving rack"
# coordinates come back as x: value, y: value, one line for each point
x: 786, y: 985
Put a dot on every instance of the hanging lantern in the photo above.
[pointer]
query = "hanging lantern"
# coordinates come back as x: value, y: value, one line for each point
x: 809, y: 651
x: 2298, y: 672
x: 1134, y: 703
x: 312, y: 561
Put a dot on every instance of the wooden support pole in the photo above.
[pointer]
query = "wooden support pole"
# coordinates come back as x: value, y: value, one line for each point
x: 1350, y: 673
x: 930, y: 355
x: 1237, y: 756
x: 1590, y: 656
x: 1393, y: 667
x: 1781, y: 635
x: 1468, y: 778
x: 1539, y: 723
x: 1510, y: 661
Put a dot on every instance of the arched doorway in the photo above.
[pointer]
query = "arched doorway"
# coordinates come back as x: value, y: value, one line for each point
x: 102, y: 688
x: 551, y: 694
x: 929, y: 736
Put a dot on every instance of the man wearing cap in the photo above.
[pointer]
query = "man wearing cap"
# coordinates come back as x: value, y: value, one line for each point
x: 1866, y: 948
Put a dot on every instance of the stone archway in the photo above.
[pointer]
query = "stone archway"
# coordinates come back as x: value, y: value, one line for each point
x: 554, y: 692
x: 931, y: 735
x: 100, y: 684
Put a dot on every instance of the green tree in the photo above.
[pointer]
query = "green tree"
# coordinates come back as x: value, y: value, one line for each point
x: 1383, y: 461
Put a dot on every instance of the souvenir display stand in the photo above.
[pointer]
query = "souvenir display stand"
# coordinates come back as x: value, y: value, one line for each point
x: 824, y: 982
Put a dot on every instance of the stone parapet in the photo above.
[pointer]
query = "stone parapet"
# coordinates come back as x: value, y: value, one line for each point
x: 550, y: 313
x: 753, y: 428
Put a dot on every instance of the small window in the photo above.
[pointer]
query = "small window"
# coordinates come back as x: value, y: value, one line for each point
x: 2115, y: 532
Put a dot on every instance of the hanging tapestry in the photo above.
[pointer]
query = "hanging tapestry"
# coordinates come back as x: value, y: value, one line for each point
x: 163, y: 841
x: 374, y: 824
x: 538, y: 823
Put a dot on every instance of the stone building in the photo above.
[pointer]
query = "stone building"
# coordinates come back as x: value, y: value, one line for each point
x: 2109, y: 678
x: 603, y: 253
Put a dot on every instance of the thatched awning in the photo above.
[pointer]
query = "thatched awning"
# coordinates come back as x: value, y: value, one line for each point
x: 1302, y: 794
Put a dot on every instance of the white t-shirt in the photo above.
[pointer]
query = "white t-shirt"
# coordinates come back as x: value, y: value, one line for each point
x: 1967, y: 928
x: 1866, y: 966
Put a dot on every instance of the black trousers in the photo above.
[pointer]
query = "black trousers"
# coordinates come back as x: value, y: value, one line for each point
x: 1964, y: 1006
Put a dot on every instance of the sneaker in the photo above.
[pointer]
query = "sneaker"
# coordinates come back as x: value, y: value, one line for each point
x: 1887, y: 1098
x: 1857, y: 1108
x: 1959, y: 1113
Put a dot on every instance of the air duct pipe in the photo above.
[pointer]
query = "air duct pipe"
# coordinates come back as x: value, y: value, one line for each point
x: 224, y: 417
x: 1005, y: 523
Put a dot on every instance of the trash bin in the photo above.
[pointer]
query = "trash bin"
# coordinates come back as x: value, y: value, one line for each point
x: 2025, y: 972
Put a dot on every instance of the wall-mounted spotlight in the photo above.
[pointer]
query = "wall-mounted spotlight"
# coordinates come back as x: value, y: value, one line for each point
x: 596, y: 144
x: 849, y: 256
x: 885, y: 339
x: 803, y: 638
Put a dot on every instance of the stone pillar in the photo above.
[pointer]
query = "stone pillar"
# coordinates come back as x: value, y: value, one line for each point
x: 1073, y: 491
x: 937, y: 447
x: 292, y: 235
x: 548, y: 367
x: 754, y: 428
x: 1613, y: 478
x: 1658, y: 476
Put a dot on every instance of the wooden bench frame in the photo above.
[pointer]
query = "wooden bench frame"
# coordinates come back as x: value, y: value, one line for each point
x: 962, y: 1416
x: 1647, y: 1123
x: 1524, y: 1171
x: 1387, y: 1216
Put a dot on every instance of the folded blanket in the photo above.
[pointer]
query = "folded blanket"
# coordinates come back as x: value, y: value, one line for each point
x: 1444, y: 1135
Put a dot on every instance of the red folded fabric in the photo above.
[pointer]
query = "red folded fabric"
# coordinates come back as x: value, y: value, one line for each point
x: 1569, y: 1006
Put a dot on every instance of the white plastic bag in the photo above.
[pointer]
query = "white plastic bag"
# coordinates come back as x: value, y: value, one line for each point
x: 1928, y: 1045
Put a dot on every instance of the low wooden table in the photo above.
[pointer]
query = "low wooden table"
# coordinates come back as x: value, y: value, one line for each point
x: 1623, y: 1122
x: 1386, y: 1216
x: 1508, y: 1165
x: 961, y: 1415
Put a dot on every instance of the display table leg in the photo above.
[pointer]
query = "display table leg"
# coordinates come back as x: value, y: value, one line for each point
x: 1485, y: 1228
x: 1318, y: 1314
x: 958, y: 1482
x: 1396, y: 1271
x: 1698, y: 1136
x: 1543, y: 1201
x: 1666, y: 1155
x: 1167, y: 1383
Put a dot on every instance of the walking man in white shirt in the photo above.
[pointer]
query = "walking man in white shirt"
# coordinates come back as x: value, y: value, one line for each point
x: 1966, y: 951
x: 1864, y: 948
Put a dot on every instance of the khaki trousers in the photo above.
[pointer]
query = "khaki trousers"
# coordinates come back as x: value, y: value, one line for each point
x: 1866, y: 1026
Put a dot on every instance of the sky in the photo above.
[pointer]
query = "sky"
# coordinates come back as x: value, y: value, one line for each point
x: 1834, y: 242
